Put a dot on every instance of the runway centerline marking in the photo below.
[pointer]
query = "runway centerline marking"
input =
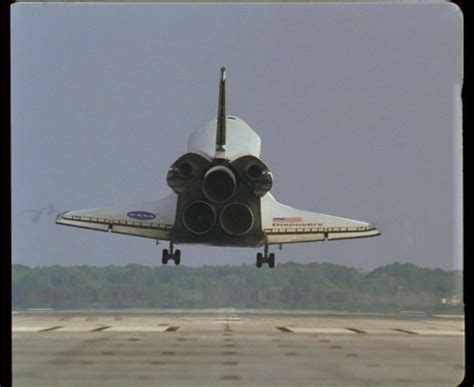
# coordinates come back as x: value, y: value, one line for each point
x: 225, y: 316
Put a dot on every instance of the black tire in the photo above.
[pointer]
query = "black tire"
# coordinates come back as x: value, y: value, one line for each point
x: 271, y: 260
x: 177, y: 257
x: 164, y: 256
x: 259, y: 260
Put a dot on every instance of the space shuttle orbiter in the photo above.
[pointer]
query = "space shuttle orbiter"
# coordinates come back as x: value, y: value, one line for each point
x: 221, y: 197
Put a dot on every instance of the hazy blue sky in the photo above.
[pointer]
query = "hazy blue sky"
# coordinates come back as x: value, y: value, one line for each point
x: 358, y: 107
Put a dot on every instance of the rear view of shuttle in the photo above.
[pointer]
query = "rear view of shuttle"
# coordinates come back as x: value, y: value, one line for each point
x: 221, y: 197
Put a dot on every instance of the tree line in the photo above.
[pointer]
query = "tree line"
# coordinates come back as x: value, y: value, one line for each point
x: 290, y: 285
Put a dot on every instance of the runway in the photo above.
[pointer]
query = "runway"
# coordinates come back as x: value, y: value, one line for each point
x: 231, y: 347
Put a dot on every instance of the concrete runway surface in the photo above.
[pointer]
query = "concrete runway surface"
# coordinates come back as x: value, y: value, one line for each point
x: 235, y: 347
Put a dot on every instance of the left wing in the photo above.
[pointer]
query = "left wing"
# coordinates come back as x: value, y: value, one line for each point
x: 284, y: 224
x: 149, y: 220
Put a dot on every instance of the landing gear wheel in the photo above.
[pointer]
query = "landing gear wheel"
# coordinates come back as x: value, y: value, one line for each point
x: 177, y: 257
x: 271, y: 260
x: 259, y: 260
x: 164, y: 257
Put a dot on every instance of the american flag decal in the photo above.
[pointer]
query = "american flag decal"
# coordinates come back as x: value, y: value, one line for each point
x: 287, y: 220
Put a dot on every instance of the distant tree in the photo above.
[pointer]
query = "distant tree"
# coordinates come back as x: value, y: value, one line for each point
x: 289, y: 285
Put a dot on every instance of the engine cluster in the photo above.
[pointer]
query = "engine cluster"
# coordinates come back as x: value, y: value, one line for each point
x: 218, y: 198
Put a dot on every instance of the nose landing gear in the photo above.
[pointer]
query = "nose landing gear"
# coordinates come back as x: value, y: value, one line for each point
x: 266, y: 258
x: 171, y: 254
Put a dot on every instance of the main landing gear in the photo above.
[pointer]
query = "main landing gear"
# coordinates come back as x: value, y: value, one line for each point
x: 266, y: 258
x: 174, y: 255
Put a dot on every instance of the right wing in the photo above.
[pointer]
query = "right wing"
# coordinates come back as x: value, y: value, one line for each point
x: 284, y: 224
x: 149, y: 220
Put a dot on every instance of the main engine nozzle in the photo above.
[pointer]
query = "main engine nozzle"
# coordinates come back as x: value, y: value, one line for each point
x: 199, y: 217
x: 219, y: 184
x: 236, y: 219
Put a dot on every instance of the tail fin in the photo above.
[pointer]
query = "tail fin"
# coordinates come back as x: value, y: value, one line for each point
x: 221, y: 118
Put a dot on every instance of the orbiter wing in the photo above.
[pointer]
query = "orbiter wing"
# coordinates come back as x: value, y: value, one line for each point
x: 149, y: 220
x: 283, y: 224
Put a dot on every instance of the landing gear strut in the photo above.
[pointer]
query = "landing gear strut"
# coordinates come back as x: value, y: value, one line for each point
x: 266, y: 258
x: 171, y: 254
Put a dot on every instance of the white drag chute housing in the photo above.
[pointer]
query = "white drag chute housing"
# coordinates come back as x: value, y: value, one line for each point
x: 241, y: 139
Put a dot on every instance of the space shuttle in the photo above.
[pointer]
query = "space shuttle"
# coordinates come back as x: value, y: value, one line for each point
x: 221, y: 196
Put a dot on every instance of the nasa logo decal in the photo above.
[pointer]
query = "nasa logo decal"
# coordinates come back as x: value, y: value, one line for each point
x: 141, y: 215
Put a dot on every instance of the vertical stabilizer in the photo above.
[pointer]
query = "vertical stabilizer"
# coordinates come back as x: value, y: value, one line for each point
x: 221, y: 118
